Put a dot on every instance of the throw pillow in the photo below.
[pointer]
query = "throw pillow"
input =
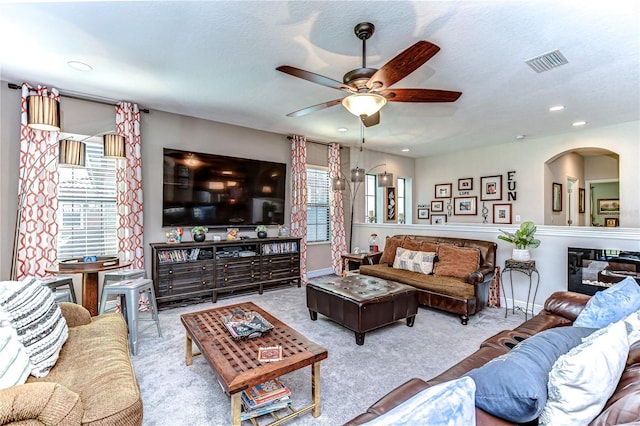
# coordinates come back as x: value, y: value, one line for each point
x: 14, y: 361
x: 456, y: 261
x: 416, y: 261
x: 448, y: 403
x: 582, y: 380
x: 33, y: 312
x: 411, y: 244
x: 391, y: 244
x: 632, y: 321
x: 429, y: 246
x: 514, y: 385
x: 610, y: 305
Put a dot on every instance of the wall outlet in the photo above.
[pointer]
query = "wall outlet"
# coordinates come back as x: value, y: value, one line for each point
x: 517, y: 218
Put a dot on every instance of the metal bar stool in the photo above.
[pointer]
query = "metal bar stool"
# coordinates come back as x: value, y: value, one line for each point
x: 117, y: 276
x: 60, y: 281
x: 131, y: 289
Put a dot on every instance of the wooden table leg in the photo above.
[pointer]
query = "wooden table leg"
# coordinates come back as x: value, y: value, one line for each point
x: 315, y: 389
x: 90, y: 292
x: 189, y: 351
x: 236, y: 407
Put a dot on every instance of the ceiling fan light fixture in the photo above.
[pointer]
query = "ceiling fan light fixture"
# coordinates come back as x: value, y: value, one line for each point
x: 364, y: 104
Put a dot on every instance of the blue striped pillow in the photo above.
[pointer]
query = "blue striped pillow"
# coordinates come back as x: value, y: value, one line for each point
x: 33, y: 312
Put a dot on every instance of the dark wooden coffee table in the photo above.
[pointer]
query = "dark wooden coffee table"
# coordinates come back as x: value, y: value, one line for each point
x: 236, y: 362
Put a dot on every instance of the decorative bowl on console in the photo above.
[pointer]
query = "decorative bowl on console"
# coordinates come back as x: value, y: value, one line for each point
x: 199, y: 233
x: 261, y: 231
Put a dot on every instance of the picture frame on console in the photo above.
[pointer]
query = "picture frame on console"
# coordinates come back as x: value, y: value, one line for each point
x: 491, y: 188
x: 465, y: 206
x: 443, y: 190
x: 502, y: 213
x: 610, y: 222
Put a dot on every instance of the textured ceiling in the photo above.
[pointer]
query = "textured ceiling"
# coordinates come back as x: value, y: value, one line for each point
x: 217, y: 60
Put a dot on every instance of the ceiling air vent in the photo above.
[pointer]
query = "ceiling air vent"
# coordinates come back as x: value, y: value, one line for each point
x: 547, y: 61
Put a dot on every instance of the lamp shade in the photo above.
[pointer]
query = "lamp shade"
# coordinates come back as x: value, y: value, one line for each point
x: 43, y: 113
x: 71, y: 153
x: 385, y: 179
x: 364, y: 104
x: 357, y: 175
x: 114, y: 146
x: 338, y: 184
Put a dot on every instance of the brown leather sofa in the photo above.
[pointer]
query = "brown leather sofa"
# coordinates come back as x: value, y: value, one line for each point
x: 464, y: 296
x: 92, y: 383
x: 560, y: 309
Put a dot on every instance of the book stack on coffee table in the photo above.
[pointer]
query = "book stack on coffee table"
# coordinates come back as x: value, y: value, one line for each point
x: 264, y: 398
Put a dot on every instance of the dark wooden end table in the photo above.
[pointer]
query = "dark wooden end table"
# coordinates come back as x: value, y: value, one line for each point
x: 235, y: 362
x: 360, y: 258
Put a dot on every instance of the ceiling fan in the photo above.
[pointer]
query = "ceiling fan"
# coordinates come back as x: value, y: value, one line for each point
x: 368, y: 88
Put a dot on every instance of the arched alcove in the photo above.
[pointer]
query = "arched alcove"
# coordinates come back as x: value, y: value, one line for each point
x: 581, y: 188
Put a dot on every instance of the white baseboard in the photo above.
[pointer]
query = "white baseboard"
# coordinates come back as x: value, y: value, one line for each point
x: 319, y: 272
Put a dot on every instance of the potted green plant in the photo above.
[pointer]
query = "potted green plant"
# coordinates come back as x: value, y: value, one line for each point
x: 523, y: 239
x: 199, y: 233
x: 261, y: 231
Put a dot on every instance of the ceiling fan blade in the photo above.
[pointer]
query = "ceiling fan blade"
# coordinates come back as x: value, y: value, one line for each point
x: 371, y: 120
x: 420, y: 95
x: 402, y: 65
x: 314, y: 108
x: 313, y: 77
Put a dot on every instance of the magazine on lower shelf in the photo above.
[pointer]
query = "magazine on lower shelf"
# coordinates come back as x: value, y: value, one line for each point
x: 275, y: 405
x: 264, y: 393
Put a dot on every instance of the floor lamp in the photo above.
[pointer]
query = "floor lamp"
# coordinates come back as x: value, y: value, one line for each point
x: 357, y: 177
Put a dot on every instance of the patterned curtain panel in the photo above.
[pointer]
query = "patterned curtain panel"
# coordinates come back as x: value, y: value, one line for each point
x: 129, y: 178
x: 299, y: 198
x: 338, y: 237
x: 38, y: 190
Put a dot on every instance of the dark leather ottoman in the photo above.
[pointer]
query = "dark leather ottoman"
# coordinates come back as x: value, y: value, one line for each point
x: 362, y: 303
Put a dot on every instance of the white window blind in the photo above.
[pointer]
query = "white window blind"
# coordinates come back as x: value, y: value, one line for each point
x: 370, y: 197
x: 318, y: 216
x: 87, y: 215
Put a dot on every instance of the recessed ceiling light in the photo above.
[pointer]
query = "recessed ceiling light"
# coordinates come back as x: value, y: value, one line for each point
x: 80, y: 66
x: 579, y: 123
x: 342, y: 129
x: 519, y: 137
x: 405, y: 150
x: 557, y: 108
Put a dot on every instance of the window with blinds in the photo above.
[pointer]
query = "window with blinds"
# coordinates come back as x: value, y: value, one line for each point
x: 318, y: 217
x: 87, y: 215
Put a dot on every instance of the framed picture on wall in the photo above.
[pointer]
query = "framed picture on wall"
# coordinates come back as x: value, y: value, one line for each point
x: 390, y: 211
x: 423, y: 213
x: 611, y: 221
x: 437, y: 206
x: 438, y: 219
x: 608, y: 205
x: 556, y: 200
x: 465, y: 206
x: 581, y: 206
x: 491, y: 188
x: 443, y: 190
x: 465, y: 184
x: 502, y: 213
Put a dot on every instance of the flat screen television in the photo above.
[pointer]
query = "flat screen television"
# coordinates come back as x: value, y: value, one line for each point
x: 220, y: 191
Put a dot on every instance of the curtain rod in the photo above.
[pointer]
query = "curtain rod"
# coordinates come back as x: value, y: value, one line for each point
x: 318, y: 143
x: 82, y: 98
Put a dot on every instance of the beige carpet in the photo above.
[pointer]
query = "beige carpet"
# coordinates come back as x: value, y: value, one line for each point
x: 352, y: 378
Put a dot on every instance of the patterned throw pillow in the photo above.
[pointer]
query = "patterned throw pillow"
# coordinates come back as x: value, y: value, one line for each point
x: 416, y: 261
x: 14, y: 361
x: 33, y: 312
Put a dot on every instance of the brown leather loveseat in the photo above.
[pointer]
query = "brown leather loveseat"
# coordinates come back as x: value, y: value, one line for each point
x: 460, y: 280
x: 560, y: 309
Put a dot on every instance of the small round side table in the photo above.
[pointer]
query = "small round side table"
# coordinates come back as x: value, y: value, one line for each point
x: 528, y: 268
